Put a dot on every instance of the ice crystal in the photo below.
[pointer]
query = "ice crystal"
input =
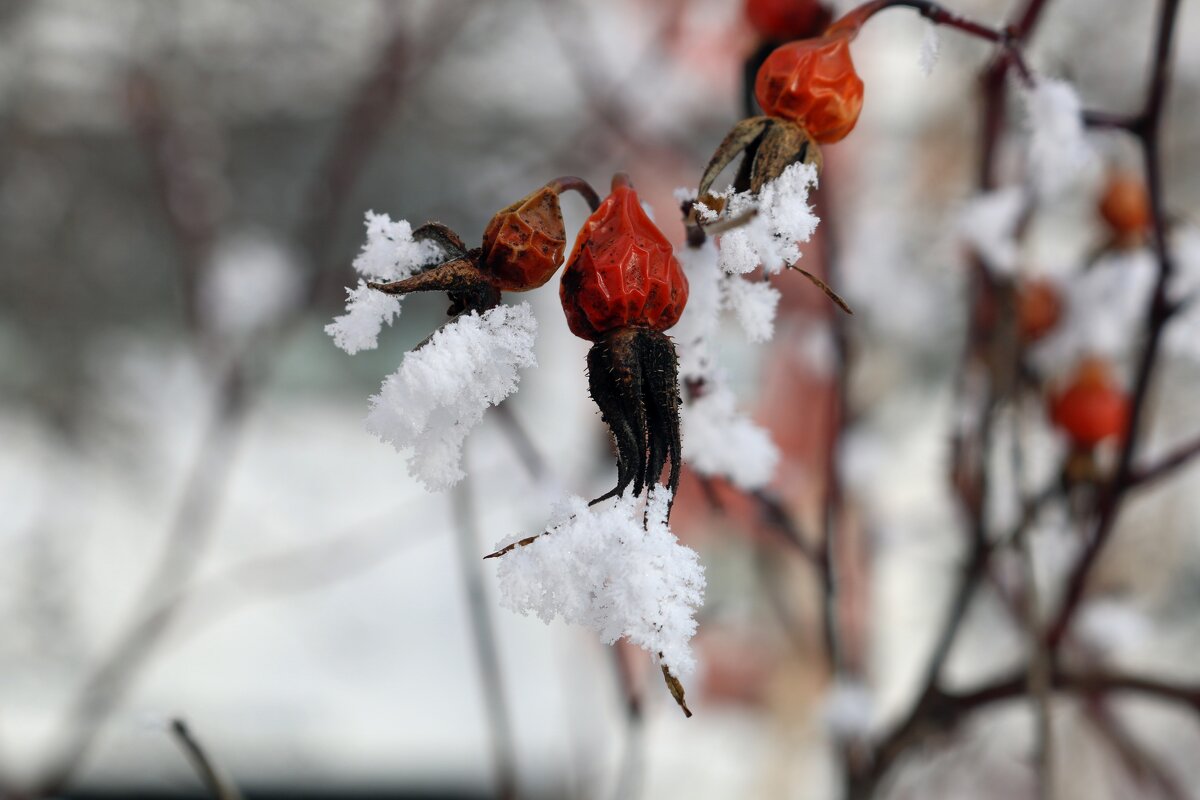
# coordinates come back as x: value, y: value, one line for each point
x: 441, y: 390
x: 615, y: 568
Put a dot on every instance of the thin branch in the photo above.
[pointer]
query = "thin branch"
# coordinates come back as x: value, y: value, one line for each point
x: 1160, y: 312
x: 1177, y: 458
x: 483, y: 630
x: 217, y: 784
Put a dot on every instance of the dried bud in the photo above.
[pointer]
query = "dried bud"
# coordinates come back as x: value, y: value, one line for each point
x: 813, y: 83
x: 1093, y: 407
x: 523, y: 245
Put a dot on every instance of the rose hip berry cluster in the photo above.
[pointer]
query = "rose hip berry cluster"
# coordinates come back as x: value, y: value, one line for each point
x: 810, y: 94
x: 622, y: 288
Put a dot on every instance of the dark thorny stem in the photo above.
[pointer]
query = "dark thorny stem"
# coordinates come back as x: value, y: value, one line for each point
x: 970, y: 451
x: 1146, y: 127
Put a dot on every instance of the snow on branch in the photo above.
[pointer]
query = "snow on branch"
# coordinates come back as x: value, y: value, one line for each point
x: 718, y: 439
x: 389, y: 254
x: 1058, y: 149
x: 441, y: 389
x: 615, y: 568
x: 782, y: 220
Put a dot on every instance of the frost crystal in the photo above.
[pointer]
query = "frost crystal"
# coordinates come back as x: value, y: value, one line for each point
x: 720, y: 440
x: 931, y: 47
x: 1057, y: 146
x: 783, y: 220
x: 442, y: 389
x: 250, y: 284
x: 366, y: 312
x: 601, y: 568
x: 389, y: 254
x: 988, y: 223
x: 753, y: 304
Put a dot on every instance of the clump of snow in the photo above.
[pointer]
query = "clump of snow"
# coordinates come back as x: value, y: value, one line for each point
x: 389, y: 254
x: 753, y: 304
x: 250, y: 283
x: 849, y: 708
x: 1105, y: 306
x: 441, y: 390
x: 605, y: 568
x: 783, y: 219
x: 720, y: 440
x: 931, y: 48
x: 988, y: 223
x: 1058, y: 149
x: 1109, y: 625
x: 701, y: 316
x: 366, y: 313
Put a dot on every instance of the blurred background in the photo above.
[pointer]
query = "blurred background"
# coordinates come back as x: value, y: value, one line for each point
x: 194, y: 524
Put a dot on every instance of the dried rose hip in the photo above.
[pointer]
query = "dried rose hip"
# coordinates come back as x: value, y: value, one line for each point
x: 523, y: 245
x: 622, y: 288
x: 622, y: 271
x: 813, y: 83
x: 1125, y: 206
x: 1039, y: 308
x: 1092, y: 407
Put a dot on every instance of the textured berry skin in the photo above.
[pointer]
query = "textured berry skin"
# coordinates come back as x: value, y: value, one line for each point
x: 812, y: 82
x: 781, y: 20
x: 1093, y: 407
x: 523, y: 245
x: 622, y: 272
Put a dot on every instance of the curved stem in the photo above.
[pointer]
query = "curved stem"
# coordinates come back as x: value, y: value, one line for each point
x: 850, y: 24
x: 567, y: 183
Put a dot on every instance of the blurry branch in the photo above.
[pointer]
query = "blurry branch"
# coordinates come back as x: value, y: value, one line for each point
x: 970, y: 449
x: 1179, y: 457
x: 405, y: 56
x: 1140, y: 763
x: 1146, y: 128
x: 186, y: 539
x: 190, y: 206
x: 1008, y: 38
x: 945, y: 710
x: 191, y: 528
x: 603, y: 96
x: 483, y: 630
x: 218, y: 786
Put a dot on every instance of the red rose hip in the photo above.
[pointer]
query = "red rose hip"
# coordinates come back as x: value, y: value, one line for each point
x: 523, y: 245
x: 622, y: 271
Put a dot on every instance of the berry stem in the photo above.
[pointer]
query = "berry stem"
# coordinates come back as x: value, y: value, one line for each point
x: 572, y: 183
x: 850, y: 24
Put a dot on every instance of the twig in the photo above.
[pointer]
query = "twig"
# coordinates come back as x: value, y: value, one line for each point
x: 1181, y: 456
x: 217, y: 784
x: 1146, y: 130
x: 483, y: 631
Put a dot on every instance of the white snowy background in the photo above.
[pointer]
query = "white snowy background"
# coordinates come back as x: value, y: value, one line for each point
x: 324, y: 638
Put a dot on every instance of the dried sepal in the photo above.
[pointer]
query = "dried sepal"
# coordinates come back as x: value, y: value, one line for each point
x: 461, y: 278
x: 633, y: 376
x: 768, y: 146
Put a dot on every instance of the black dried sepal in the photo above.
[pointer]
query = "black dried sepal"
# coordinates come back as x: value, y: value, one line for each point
x: 633, y: 375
